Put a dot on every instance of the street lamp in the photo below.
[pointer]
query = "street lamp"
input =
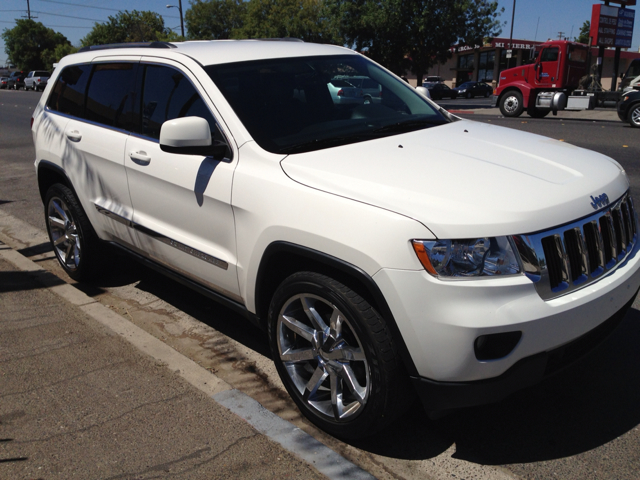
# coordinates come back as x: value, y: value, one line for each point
x: 179, y: 7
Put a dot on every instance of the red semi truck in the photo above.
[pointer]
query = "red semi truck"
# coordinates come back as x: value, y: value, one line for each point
x: 551, y: 83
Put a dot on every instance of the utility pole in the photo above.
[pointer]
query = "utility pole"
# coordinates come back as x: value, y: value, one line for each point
x: 513, y: 14
x: 560, y: 35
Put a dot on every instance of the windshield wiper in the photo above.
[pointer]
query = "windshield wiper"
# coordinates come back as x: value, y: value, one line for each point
x: 317, y: 144
x: 407, y: 126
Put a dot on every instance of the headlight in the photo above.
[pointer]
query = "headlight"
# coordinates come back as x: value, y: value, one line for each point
x: 477, y: 257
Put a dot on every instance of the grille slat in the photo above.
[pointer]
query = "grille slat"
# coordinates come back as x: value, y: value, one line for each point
x: 567, y: 258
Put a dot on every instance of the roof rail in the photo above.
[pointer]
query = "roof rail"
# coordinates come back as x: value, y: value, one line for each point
x: 128, y: 45
x: 284, y: 39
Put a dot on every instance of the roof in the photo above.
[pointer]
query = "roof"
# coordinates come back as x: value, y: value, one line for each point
x: 210, y: 52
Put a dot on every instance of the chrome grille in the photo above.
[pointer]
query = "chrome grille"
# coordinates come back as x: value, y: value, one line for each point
x: 575, y: 255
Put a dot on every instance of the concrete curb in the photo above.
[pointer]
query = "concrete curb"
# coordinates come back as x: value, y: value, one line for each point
x: 294, y: 440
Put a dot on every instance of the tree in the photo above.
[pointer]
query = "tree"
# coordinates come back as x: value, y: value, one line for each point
x: 414, y: 34
x: 214, y: 19
x: 585, y: 31
x: 128, y: 26
x: 50, y: 57
x: 307, y: 20
x: 29, y: 44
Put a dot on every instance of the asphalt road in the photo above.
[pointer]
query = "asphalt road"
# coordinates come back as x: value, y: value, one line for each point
x: 582, y: 423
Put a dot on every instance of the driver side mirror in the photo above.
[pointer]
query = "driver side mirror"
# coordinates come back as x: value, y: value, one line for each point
x: 190, y: 136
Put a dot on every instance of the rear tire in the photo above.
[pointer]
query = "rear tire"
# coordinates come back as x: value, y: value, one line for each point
x: 511, y: 104
x: 335, y: 356
x: 537, y: 112
x: 75, y: 243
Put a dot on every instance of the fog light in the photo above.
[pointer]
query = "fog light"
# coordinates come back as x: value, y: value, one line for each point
x: 496, y: 345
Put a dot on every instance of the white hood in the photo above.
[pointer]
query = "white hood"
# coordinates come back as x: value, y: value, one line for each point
x: 466, y: 179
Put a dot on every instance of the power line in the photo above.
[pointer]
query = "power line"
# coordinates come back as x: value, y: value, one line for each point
x: 68, y: 16
x: 50, y: 26
x: 98, y: 8
x: 79, y: 5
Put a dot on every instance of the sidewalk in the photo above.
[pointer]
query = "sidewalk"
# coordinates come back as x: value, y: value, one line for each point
x: 80, y: 401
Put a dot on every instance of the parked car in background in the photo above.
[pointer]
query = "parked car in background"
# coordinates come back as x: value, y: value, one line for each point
x: 369, y: 90
x: 16, y: 80
x: 474, y: 89
x: 440, y: 90
x: 343, y: 92
x: 434, y: 79
x: 36, y: 80
x: 4, y: 82
x: 629, y: 108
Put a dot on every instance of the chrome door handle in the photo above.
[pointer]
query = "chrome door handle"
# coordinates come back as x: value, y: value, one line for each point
x: 140, y: 157
x: 74, y: 135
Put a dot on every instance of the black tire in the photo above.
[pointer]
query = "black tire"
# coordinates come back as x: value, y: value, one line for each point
x: 634, y: 116
x: 511, y: 104
x: 537, y: 112
x: 468, y: 95
x: 486, y: 94
x: 367, y: 99
x: 358, y: 346
x: 75, y: 243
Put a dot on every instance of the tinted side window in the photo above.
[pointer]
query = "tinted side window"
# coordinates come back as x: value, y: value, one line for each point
x: 168, y: 94
x: 67, y: 95
x: 109, y: 94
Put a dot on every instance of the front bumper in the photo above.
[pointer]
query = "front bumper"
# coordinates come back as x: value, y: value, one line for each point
x: 439, y: 396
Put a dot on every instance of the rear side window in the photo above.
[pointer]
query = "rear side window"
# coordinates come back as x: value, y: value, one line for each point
x: 109, y: 94
x: 68, y: 93
x: 41, y: 74
x: 168, y: 94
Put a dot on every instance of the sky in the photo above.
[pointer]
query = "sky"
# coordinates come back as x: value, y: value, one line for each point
x: 534, y: 19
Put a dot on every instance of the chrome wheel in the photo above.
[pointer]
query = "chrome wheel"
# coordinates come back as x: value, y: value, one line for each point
x: 323, y: 357
x: 511, y: 104
x: 64, y: 233
x: 634, y: 116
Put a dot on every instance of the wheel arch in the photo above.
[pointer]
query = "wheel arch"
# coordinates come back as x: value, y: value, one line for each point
x: 282, y: 259
x: 49, y: 174
x: 523, y: 89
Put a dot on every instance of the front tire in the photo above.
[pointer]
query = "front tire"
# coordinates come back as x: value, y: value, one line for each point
x: 511, y: 104
x: 335, y: 356
x: 634, y: 116
x: 72, y: 237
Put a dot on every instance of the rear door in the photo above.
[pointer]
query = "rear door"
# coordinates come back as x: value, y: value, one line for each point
x: 95, y: 145
x: 182, y: 203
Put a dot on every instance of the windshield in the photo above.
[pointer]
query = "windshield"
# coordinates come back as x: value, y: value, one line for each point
x: 634, y: 69
x: 294, y: 105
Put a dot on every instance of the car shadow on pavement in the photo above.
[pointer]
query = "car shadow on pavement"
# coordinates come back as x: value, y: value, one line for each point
x: 184, y: 299
x: 581, y: 408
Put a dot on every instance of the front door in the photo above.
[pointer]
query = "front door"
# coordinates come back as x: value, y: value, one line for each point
x: 547, y: 70
x: 182, y: 203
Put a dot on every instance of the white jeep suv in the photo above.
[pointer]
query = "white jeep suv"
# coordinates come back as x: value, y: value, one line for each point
x: 388, y: 248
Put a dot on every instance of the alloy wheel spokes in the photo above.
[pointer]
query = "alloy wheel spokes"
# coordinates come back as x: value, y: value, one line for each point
x: 64, y: 234
x: 323, y: 357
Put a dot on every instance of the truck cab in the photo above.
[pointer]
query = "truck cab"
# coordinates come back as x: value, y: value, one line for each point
x: 543, y: 85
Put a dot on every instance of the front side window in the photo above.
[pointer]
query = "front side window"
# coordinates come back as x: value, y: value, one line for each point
x: 550, y: 54
x: 294, y: 105
x: 167, y: 94
x: 110, y: 93
x: 68, y: 93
